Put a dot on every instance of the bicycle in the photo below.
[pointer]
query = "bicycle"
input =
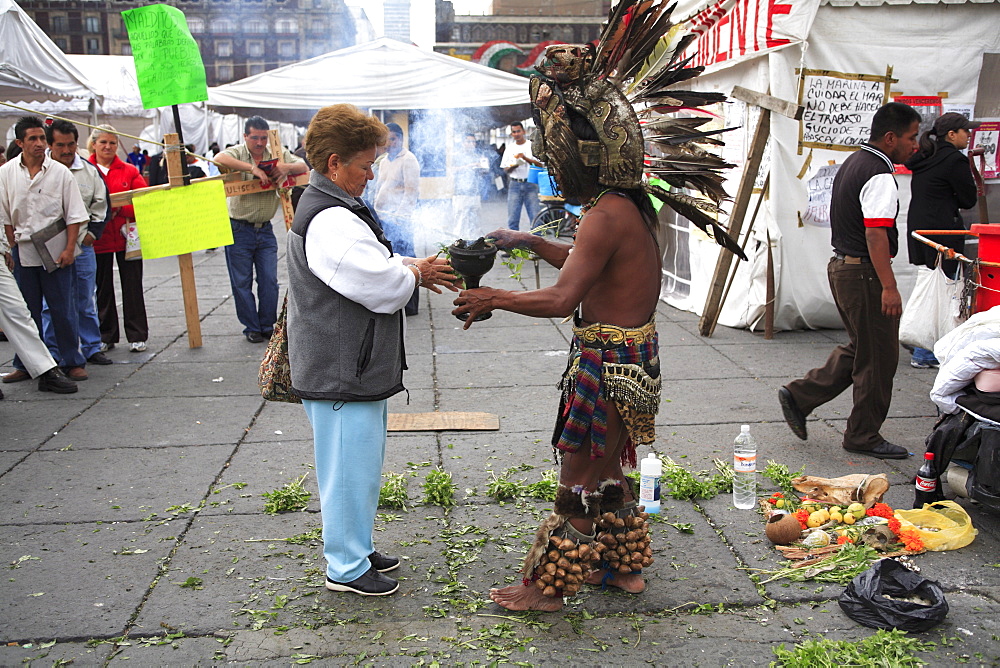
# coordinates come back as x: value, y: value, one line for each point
x: 556, y: 218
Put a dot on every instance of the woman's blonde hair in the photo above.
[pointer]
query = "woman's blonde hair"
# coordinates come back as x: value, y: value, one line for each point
x: 342, y: 129
x: 97, y: 132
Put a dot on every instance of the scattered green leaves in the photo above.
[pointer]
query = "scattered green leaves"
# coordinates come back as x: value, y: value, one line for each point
x: 191, y: 583
x: 840, y: 567
x: 393, y: 492
x: 439, y: 489
x: 292, y: 496
x: 685, y: 485
x: 780, y: 476
x: 891, y: 649
x: 20, y: 560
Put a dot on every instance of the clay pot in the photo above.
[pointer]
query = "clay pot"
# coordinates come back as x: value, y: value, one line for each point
x: 783, y: 529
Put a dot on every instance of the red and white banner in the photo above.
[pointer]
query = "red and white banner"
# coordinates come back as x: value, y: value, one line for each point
x: 732, y: 31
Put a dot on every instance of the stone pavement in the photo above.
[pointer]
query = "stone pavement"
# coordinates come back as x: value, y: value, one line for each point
x: 134, y: 529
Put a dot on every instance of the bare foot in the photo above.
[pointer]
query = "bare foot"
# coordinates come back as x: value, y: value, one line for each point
x: 519, y: 597
x: 632, y: 582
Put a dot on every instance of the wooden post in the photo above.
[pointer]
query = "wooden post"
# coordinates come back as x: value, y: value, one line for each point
x: 713, y: 305
x: 274, y: 146
x: 185, y: 262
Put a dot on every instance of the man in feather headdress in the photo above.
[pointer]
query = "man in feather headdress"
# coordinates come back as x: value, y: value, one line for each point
x: 591, y: 139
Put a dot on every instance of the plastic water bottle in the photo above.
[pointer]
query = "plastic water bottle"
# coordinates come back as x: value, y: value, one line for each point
x: 745, y: 465
x: 925, y: 483
x: 650, y: 470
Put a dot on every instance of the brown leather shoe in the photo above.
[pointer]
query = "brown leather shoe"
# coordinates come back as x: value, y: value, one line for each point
x: 76, y: 373
x: 16, y: 376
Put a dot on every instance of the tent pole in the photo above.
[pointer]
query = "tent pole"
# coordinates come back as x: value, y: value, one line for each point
x: 92, y: 105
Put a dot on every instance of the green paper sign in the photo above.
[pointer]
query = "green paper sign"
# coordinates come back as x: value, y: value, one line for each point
x: 168, y: 62
x: 183, y: 220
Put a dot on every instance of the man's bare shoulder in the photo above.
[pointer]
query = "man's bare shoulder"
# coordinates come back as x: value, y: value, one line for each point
x: 614, y: 216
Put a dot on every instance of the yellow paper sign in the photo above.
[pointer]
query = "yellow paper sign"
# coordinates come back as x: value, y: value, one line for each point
x: 183, y: 220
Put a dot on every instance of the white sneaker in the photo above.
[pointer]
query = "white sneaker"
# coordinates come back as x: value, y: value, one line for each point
x: 105, y: 347
x: 137, y: 347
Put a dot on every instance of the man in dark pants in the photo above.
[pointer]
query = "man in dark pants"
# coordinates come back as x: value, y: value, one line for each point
x: 863, y: 225
x: 254, y: 248
x: 37, y: 197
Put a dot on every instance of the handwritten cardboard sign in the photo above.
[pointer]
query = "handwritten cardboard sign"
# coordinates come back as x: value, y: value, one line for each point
x: 820, y: 187
x: 183, y: 220
x: 839, y: 108
x: 168, y: 65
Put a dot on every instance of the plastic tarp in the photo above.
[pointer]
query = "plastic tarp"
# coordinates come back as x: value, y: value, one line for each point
x: 381, y: 74
x: 31, y: 66
x: 861, y: 39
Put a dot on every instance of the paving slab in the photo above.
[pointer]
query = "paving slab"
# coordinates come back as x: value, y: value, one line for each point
x: 81, y: 485
x: 27, y: 424
x: 492, y: 340
x: 204, y: 379
x: 191, y: 421
x: 501, y: 369
x: 79, y: 580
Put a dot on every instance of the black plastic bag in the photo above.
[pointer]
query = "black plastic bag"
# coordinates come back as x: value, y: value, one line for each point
x: 865, y: 600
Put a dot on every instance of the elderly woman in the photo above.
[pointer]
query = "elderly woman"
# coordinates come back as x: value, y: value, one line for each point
x: 120, y: 176
x: 346, y: 292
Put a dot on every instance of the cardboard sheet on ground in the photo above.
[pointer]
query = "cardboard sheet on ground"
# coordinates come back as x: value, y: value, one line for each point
x: 183, y: 220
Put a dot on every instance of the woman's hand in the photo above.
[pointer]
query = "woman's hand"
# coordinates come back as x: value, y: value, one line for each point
x: 475, y: 302
x: 435, y: 271
x: 505, y: 239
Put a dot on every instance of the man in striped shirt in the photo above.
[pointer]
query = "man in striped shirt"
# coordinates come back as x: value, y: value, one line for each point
x: 863, y: 212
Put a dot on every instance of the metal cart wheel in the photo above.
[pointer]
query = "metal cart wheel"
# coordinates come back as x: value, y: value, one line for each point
x: 557, y: 221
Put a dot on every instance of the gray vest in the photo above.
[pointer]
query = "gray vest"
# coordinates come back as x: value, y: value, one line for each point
x: 338, y: 350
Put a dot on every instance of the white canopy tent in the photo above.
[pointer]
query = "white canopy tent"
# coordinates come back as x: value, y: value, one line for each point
x: 933, y: 47
x: 381, y: 74
x: 31, y: 66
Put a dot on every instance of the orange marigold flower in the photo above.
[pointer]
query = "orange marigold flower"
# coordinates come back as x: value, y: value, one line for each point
x: 911, y: 540
x: 802, y: 516
x: 844, y: 539
x: 894, y: 525
x: 777, y: 495
x: 880, y: 510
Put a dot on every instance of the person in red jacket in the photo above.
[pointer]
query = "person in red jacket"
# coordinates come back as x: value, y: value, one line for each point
x: 120, y: 176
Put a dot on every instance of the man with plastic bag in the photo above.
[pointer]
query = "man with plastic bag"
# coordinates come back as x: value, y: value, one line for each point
x: 864, y: 237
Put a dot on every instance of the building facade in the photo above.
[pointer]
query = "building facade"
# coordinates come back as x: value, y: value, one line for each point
x: 396, y: 20
x: 518, y: 28
x: 238, y: 38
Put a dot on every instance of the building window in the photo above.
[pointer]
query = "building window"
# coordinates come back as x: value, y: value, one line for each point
x: 255, y: 68
x: 61, y: 43
x: 255, y: 49
x: 223, y: 26
x: 126, y: 49
x: 286, y: 26
x: 93, y: 46
x: 255, y: 26
x: 60, y: 24
x: 286, y: 49
x: 223, y: 49
x: 224, y: 71
x: 91, y: 24
x: 318, y: 25
x: 196, y: 25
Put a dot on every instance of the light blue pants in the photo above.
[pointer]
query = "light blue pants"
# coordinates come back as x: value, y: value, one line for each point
x: 349, y: 440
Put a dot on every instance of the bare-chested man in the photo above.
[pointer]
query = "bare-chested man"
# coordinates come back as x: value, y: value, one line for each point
x: 612, y: 274
x: 590, y: 139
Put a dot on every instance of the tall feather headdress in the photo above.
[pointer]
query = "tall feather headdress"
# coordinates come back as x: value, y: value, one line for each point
x: 591, y: 136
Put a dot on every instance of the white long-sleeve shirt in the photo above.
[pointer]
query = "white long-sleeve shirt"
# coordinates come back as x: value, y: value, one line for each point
x: 343, y: 252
